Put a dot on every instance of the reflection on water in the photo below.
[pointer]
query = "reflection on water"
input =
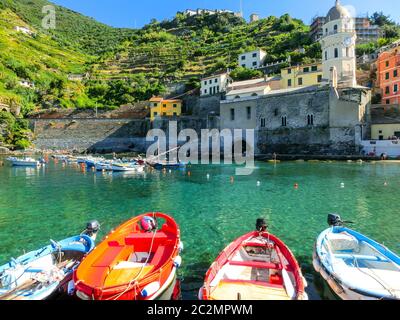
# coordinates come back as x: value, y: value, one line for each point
x: 56, y: 201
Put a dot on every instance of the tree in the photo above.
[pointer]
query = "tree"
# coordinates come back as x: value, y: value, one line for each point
x: 380, y: 19
x: 241, y: 74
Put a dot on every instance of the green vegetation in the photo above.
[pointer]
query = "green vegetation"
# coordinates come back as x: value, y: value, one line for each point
x: 17, y: 131
x: 241, y: 73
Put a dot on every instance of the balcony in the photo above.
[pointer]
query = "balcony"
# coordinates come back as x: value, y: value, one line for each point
x: 330, y: 33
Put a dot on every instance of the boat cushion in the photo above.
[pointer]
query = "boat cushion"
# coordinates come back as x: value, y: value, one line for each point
x: 342, y: 242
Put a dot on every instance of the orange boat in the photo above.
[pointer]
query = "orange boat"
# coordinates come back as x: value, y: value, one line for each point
x: 257, y: 266
x: 137, y: 261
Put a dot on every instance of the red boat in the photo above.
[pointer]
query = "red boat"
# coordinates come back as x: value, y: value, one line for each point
x: 137, y: 261
x: 257, y: 266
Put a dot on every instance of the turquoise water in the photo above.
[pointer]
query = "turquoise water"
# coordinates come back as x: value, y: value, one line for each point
x: 55, y: 202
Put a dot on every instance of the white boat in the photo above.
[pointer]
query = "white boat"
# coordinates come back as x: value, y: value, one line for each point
x: 103, y: 166
x: 24, y: 162
x: 126, y: 167
x: 354, y: 266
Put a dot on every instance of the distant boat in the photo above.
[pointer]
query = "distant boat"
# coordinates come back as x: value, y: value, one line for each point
x: 103, y: 166
x: 355, y: 266
x: 92, y: 161
x: 39, y: 274
x: 137, y: 261
x: 159, y: 165
x: 24, y: 162
x: 126, y: 167
x: 256, y: 266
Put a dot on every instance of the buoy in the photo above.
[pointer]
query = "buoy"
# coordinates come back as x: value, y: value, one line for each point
x: 150, y: 289
x: 208, y: 176
x: 342, y: 185
x: 296, y: 185
x: 177, y: 261
x: 232, y: 179
x: 189, y: 173
x: 258, y: 183
x: 169, y: 171
x: 385, y: 184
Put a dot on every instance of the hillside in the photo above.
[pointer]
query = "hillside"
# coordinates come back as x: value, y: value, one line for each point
x: 72, y: 29
x: 188, y: 47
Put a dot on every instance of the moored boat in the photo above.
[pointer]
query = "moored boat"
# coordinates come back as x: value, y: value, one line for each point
x: 24, y: 162
x: 137, y: 261
x: 126, y: 167
x: 167, y: 165
x: 355, y: 266
x: 39, y: 274
x: 256, y: 266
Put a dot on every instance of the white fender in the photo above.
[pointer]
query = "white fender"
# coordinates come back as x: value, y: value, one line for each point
x: 181, y: 247
x: 150, y: 289
x: 177, y: 261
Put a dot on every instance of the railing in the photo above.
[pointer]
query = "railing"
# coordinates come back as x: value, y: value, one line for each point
x: 337, y: 31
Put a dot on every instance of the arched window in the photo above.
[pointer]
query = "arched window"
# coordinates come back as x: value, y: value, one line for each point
x: 284, y: 121
x: 310, y: 120
x: 335, y: 28
x: 336, y: 53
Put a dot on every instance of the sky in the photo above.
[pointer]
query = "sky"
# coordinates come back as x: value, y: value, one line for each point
x: 136, y: 13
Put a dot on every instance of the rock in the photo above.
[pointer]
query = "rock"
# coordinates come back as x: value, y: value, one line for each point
x: 4, y: 150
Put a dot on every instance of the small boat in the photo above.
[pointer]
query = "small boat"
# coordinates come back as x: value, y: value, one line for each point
x: 24, y: 162
x: 92, y: 161
x: 355, y: 266
x: 39, y: 274
x: 137, y: 261
x: 126, y: 167
x: 257, y: 266
x: 103, y: 166
x: 160, y: 165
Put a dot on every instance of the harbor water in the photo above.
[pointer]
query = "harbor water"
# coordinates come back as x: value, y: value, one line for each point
x: 56, y: 201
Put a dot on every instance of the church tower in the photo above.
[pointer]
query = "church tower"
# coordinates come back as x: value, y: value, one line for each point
x: 339, y: 46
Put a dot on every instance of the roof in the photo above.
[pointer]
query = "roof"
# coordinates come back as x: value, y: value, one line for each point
x: 247, y: 90
x: 337, y: 12
x: 159, y: 99
x: 216, y: 75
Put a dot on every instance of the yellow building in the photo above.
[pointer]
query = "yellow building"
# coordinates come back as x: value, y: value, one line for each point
x: 160, y: 107
x: 385, y: 131
x: 301, y: 76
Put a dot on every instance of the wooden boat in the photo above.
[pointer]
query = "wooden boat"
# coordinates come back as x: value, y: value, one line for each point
x: 24, y: 162
x: 354, y: 266
x: 126, y: 167
x: 257, y: 266
x: 167, y: 165
x: 39, y: 274
x: 134, y: 262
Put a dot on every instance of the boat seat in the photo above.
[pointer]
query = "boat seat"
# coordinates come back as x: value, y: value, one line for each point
x: 112, y: 255
x: 256, y: 264
x: 133, y: 238
x: 343, y: 242
x: 158, y: 255
x: 361, y: 257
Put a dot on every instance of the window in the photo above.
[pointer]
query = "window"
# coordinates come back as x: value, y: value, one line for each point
x: 205, y: 91
x: 174, y: 114
x: 335, y: 28
x: 216, y: 80
x: 300, y: 81
x: 164, y: 114
x: 164, y: 105
x: 289, y: 83
x: 205, y: 83
x: 336, y: 53
x: 326, y: 30
x: 210, y: 81
x: 175, y: 105
x: 319, y: 78
x: 248, y: 109
x: 395, y: 73
x: 387, y: 101
x: 307, y: 69
x: 232, y: 114
x: 387, y: 63
x: 243, y: 65
x: 218, y: 89
x: 276, y: 112
x: 284, y: 121
x: 254, y: 55
x: 243, y: 57
x: 326, y: 55
x: 289, y: 71
x: 155, y: 113
x: 387, y: 90
x: 314, y: 68
x: 262, y: 122
x: 155, y: 104
x: 395, y: 88
x: 387, y: 75
x: 310, y: 120
x: 254, y: 63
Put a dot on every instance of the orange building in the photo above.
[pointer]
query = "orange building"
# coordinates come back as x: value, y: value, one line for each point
x: 160, y: 107
x: 388, y: 75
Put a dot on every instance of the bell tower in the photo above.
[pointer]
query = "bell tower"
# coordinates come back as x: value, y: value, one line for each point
x: 338, y: 45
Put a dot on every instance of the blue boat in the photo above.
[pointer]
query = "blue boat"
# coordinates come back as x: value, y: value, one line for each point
x: 39, y: 274
x: 355, y: 266
x: 168, y: 165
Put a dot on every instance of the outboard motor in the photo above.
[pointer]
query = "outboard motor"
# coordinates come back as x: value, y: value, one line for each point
x: 261, y: 225
x: 92, y: 227
x: 334, y: 220
x: 148, y: 224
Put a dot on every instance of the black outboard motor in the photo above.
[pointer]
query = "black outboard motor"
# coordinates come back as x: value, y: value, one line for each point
x: 261, y: 225
x: 92, y: 227
x: 334, y: 220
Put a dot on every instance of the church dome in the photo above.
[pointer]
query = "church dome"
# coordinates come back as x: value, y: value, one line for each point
x: 337, y: 12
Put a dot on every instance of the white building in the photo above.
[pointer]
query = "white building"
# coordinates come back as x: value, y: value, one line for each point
x: 214, y: 84
x: 248, y: 89
x: 338, y: 47
x: 24, y: 30
x: 191, y: 12
x: 254, y: 17
x: 26, y: 84
x: 252, y: 60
